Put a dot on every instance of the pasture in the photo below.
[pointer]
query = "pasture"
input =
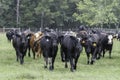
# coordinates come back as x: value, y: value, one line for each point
x: 103, y: 69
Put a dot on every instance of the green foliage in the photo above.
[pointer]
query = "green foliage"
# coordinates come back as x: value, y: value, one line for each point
x: 59, y: 13
x: 94, y: 12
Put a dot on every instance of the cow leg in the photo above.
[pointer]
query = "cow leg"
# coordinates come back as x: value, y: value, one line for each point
x: 99, y: 53
x: 66, y: 60
x: 29, y: 48
x: 29, y: 52
x: 37, y: 55
x: 39, y: 52
x: 46, y: 62
x: 88, y: 58
x: 53, y: 60
x: 66, y: 66
x: 33, y: 54
x: 71, y: 64
x: 75, y: 61
x: 17, y: 56
x: 50, y: 63
x: 94, y: 56
x: 62, y: 55
x: 21, y: 58
x: 103, y: 52
x: 110, y: 54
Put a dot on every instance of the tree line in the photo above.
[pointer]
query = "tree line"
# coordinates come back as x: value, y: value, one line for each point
x: 60, y: 13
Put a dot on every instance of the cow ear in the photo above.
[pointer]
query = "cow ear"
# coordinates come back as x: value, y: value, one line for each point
x: 18, y: 34
x: 72, y: 37
x: 28, y: 35
x: 47, y: 37
x: 60, y: 38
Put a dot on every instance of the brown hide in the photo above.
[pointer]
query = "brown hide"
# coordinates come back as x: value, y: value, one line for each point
x: 35, y: 38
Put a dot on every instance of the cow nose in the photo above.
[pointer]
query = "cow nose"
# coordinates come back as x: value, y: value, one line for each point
x: 109, y: 42
x: 54, y: 44
x: 23, y: 42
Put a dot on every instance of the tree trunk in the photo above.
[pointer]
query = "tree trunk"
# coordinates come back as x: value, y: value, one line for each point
x: 17, y: 14
x: 42, y: 15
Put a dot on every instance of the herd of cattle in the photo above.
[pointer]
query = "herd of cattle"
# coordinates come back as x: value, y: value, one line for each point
x: 46, y: 43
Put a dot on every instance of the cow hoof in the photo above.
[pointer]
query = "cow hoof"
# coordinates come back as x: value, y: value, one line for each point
x: 66, y: 66
x: 17, y: 60
x: 21, y: 63
x: 88, y: 62
x: 63, y: 60
x: 29, y: 55
x: 45, y: 66
x: 72, y: 70
x: 50, y: 68
x: 75, y: 67
x: 92, y: 62
x: 110, y: 57
x: 98, y: 58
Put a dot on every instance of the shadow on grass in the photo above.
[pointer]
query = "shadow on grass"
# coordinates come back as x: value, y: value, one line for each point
x: 26, y: 76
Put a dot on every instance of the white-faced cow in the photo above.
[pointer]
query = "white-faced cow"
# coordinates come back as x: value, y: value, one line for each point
x: 107, y: 44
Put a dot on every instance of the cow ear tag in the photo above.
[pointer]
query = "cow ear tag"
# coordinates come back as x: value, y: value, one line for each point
x: 94, y: 44
x: 47, y: 40
x: 83, y: 41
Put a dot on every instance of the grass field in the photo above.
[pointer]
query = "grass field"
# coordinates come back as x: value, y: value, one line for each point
x: 103, y: 69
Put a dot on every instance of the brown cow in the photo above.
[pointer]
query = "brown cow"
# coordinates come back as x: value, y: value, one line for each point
x: 34, y: 44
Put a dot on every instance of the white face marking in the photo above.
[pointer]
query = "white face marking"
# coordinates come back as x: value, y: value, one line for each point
x: 47, y: 40
x: 36, y: 35
x: 110, y: 37
x: 71, y: 33
x: 79, y: 39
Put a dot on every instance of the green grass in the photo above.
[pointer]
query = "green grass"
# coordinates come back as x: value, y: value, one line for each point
x: 103, y: 69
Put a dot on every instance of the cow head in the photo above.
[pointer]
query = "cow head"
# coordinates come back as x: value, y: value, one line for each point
x: 23, y: 37
x: 110, y: 39
x: 88, y: 45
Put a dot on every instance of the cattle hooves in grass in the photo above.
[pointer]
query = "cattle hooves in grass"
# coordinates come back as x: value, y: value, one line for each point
x: 110, y: 57
x: 98, y: 58
x: 29, y: 55
x: 50, y: 68
x: 74, y: 67
x: 91, y: 62
x: 45, y: 66
x: 21, y: 63
x: 63, y: 60
x: 66, y: 66
x: 17, y: 60
x: 72, y: 70
x: 88, y: 62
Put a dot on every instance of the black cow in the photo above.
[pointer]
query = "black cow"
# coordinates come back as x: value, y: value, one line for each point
x: 107, y: 44
x: 10, y: 34
x: 49, y: 47
x: 92, y: 47
x: 20, y: 43
x: 118, y: 36
x: 70, y: 50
